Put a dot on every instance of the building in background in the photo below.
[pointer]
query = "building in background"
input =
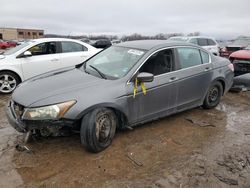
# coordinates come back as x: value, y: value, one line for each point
x: 20, y: 34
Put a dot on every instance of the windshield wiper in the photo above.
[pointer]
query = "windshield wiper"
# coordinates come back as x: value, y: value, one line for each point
x: 99, y: 72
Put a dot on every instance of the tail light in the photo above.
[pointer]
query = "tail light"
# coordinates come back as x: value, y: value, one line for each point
x: 231, y: 67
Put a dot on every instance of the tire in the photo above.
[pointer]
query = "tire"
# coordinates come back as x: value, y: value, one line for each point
x: 8, y: 82
x: 92, y: 136
x: 213, y: 95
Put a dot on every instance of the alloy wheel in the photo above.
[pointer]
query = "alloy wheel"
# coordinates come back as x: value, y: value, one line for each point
x: 7, y: 83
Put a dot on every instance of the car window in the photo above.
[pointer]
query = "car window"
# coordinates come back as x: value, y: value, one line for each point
x: 193, y: 41
x: 17, y: 48
x: 211, y: 42
x: 189, y: 57
x: 44, y: 49
x: 204, y: 56
x: 159, y: 63
x: 72, y: 47
x: 114, y: 62
x: 202, y: 42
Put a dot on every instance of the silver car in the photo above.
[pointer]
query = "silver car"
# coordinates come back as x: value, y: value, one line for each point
x: 123, y: 86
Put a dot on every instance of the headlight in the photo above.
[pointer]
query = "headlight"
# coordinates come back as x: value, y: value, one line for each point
x: 55, y: 111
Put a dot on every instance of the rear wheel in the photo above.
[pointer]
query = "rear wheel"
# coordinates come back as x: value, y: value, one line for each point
x: 213, y: 96
x: 8, y: 82
x: 98, y: 129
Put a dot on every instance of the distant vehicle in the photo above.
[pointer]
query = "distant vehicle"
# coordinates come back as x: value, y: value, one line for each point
x: 86, y: 40
x: 101, y: 43
x: 12, y: 43
x: 238, y: 44
x: 241, y: 61
x: 115, y: 42
x: 123, y: 86
x: 39, y: 56
x: 5, y: 44
x: 207, y: 43
x: 241, y: 83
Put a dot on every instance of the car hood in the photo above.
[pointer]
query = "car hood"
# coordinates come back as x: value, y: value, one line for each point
x: 243, y: 54
x: 54, y: 83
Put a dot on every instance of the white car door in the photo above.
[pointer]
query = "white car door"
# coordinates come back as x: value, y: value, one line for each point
x: 44, y: 59
x: 74, y: 53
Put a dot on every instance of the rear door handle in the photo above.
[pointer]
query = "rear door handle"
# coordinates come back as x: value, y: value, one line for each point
x: 54, y: 59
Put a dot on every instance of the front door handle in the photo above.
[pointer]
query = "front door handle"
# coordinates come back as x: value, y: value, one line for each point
x: 172, y: 79
x: 207, y: 68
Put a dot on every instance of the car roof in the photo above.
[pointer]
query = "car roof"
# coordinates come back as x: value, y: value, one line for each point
x: 190, y: 37
x: 149, y: 44
x: 52, y: 39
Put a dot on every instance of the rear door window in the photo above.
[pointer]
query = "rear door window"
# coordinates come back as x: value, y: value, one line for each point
x: 211, y: 42
x: 204, y: 56
x: 189, y: 57
x: 72, y: 47
x: 202, y: 42
x: 193, y: 41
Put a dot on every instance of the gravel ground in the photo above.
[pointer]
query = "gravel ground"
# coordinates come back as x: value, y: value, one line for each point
x: 196, y: 148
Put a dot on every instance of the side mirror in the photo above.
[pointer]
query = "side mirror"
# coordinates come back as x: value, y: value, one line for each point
x: 27, y: 54
x: 145, y: 77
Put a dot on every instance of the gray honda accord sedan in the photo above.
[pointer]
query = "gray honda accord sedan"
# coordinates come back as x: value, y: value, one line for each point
x: 123, y: 86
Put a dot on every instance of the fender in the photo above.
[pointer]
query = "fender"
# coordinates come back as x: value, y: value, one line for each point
x: 220, y: 79
x: 13, y: 69
x: 102, y: 105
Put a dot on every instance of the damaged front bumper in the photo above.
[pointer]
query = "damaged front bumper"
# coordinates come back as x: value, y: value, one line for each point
x: 14, y: 121
x: 24, y: 126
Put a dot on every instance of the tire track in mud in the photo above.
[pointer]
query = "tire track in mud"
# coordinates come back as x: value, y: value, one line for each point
x: 8, y: 139
x: 171, y: 152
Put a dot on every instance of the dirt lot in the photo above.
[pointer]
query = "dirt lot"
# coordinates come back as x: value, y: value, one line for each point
x: 197, y: 148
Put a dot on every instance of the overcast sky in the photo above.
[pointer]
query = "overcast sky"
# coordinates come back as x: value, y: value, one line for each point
x: 218, y: 18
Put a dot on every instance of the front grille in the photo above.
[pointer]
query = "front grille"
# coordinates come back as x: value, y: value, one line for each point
x: 17, y: 109
x: 242, y: 65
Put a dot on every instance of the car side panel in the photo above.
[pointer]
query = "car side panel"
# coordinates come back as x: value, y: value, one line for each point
x: 13, y: 68
x: 192, y: 85
x: 160, y: 98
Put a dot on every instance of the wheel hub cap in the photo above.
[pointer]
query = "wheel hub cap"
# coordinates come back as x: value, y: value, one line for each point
x: 213, y: 94
x: 103, y: 128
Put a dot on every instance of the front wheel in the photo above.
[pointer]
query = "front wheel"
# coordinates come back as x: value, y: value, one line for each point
x: 213, y: 95
x: 8, y: 82
x: 98, y: 129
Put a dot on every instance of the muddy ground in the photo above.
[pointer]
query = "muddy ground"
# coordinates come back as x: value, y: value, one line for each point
x: 197, y: 148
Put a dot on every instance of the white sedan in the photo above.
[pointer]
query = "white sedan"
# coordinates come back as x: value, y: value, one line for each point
x: 39, y: 56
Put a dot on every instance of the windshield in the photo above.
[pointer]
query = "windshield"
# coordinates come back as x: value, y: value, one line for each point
x: 114, y: 62
x: 17, y: 48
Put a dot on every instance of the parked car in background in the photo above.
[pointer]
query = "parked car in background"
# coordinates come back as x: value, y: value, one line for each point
x: 241, y: 61
x: 123, y: 86
x: 4, y: 44
x: 115, y: 42
x: 86, y: 40
x: 12, y: 43
x: 101, y: 43
x: 207, y: 43
x: 238, y: 44
x: 39, y: 56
